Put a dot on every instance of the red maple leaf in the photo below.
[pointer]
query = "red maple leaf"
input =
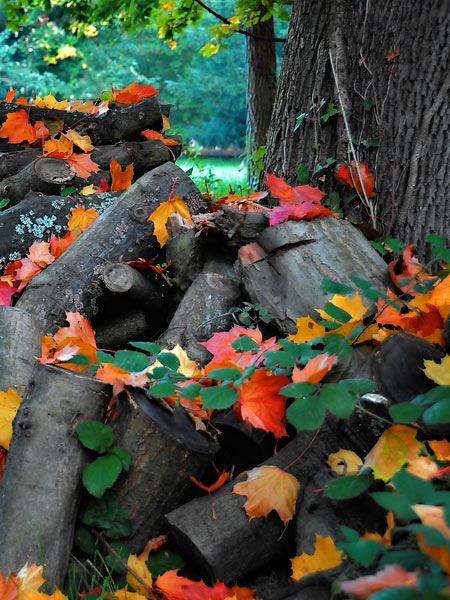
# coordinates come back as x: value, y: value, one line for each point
x: 220, y: 346
x: 6, y: 293
x: 17, y: 128
x: 259, y: 403
x: 315, y: 369
x: 346, y: 176
x: 133, y: 93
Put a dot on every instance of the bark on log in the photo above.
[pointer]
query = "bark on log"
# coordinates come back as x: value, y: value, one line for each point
x: 27, y: 180
x: 19, y: 344
x: 200, y: 314
x: 37, y: 217
x: 12, y: 162
x: 291, y: 260
x: 240, y: 226
x: 166, y: 449
x: 231, y: 546
x: 41, y: 485
x: 145, y: 155
x: 119, y: 122
x: 73, y: 282
x: 114, y: 332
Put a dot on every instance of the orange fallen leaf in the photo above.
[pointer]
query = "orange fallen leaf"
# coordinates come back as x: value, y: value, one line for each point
x: 344, y: 462
x: 133, y: 93
x: 83, y: 165
x: 396, y: 446
x: 175, y: 587
x: 9, y: 405
x: 326, y: 556
x: 17, y: 128
x: 61, y: 148
x: 81, y: 218
x: 39, y: 253
x: 120, y: 180
x: 220, y: 347
x: 139, y: 567
x: 50, y: 102
x: 58, y: 245
x: 153, y: 545
x: 269, y: 488
x: 315, y: 370
x: 82, y: 141
x: 438, y: 372
x: 119, y: 378
x: 161, y: 214
x: 149, y: 134
x: 7, y: 291
x: 224, y: 477
x: 441, y: 449
x: 385, y: 539
x: 307, y: 330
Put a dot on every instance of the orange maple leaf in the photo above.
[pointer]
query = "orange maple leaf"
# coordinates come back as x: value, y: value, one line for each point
x: 175, y: 587
x: 119, y: 378
x: 390, y: 576
x: 120, y: 180
x: 351, y: 178
x: 59, y: 244
x: 17, y: 128
x: 315, y: 370
x: 61, y: 148
x: 385, y: 539
x: 161, y: 214
x: 82, y: 218
x: 223, y: 478
x: 133, y: 93
x: 397, y: 446
x: 242, y: 202
x: 39, y: 253
x: 269, y: 488
x: 153, y: 545
x: 24, y: 273
x: 10, y: 96
x: 82, y: 141
x: 50, y: 102
x: 149, y: 134
x: 411, y: 271
x: 9, y: 405
x: 260, y: 404
x: 79, y: 327
x: 83, y: 165
x: 326, y: 556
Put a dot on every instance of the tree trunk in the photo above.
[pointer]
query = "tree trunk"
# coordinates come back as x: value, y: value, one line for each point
x: 396, y: 105
x: 261, y: 60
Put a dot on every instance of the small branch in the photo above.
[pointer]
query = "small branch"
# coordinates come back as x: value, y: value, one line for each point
x: 243, y: 31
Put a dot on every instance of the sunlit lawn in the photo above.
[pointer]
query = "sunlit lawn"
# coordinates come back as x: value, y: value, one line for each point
x: 217, y: 175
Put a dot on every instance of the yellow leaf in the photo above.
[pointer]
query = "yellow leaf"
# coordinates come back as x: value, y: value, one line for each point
x: 57, y: 595
x: 326, y: 556
x: 187, y: 367
x: 31, y: 580
x: 139, y: 567
x: 307, y: 330
x: 124, y: 594
x: 87, y: 190
x: 432, y: 516
x: 438, y: 372
x: 50, y: 102
x: 344, y: 462
x: 82, y: 141
x: 166, y: 123
x: 161, y: 214
x: 269, y: 488
x: 210, y: 49
x: 353, y: 306
x: 396, y: 447
x: 66, y: 52
x: 422, y: 466
x: 9, y: 405
x: 82, y: 218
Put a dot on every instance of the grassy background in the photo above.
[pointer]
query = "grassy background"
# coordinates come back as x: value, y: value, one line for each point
x: 217, y: 175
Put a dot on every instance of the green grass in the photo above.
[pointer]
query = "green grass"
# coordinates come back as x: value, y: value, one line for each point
x: 217, y: 175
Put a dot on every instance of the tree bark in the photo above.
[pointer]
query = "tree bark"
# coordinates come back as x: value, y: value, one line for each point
x: 41, y: 486
x: 396, y: 106
x: 261, y: 62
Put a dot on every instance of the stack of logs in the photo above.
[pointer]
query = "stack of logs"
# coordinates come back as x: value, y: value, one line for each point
x: 230, y: 256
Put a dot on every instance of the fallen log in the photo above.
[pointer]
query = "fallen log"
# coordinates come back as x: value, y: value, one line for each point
x: 74, y: 282
x: 12, y: 162
x: 37, y: 217
x: 117, y: 123
x: 28, y: 179
x: 19, y: 344
x: 41, y: 486
x: 166, y: 450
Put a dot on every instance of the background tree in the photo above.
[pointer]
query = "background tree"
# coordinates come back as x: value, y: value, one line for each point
x: 389, y: 73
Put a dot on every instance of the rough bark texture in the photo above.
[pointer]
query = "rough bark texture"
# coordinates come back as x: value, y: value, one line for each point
x: 41, y: 485
x: 261, y: 62
x: 73, y: 282
x: 19, y: 344
x: 401, y: 103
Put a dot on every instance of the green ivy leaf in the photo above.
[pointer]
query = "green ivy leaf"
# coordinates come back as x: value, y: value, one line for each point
x: 338, y: 400
x: 121, y: 526
x: 149, y: 347
x: 164, y: 560
x: 438, y: 413
x: 334, y: 287
x: 244, y: 344
x: 337, y: 313
x: 169, y: 360
x: 123, y: 455
x: 349, y: 486
x: 398, y: 504
x: 131, y: 361
x: 162, y: 390
x: 85, y: 540
x: 405, y: 412
x: 113, y: 562
x: 307, y: 413
x: 225, y: 374
x: 218, y: 397
x: 95, y: 436
x: 396, y: 593
x: 363, y: 552
x: 101, y: 474
x: 298, y: 390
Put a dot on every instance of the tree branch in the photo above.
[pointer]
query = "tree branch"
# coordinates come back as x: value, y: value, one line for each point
x: 243, y: 31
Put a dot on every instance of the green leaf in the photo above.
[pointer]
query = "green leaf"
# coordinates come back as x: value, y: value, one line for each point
x: 113, y: 562
x: 192, y: 390
x: 4, y: 203
x: 331, y: 110
x: 396, y: 503
x: 298, y: 390
x: 433, y: 537
x: 101, y: 474
x: 394, y: 245
x: 278, y: 357
x: 438, y: 413
x: 361, y: 283
x: 351, y: 534
x: 371, y: 143
x: 436, y: 240
x: 436, y: 394
x: 337, y: 313
x: 304, y: 176
x: 432, y: 583
x: 85, y: 540
x: 334, y: 287
x: 441, y: 253
x: 358, y: 386
x: 349, y: 486
x: 149, y: 347
x: 396, y: 593
x: 299, y: 120
x: 378, y: 247
x: 121, y: 526
x: 363, y: 551
x: 163, y: 560
x: 338, y: 400
x: 368, y: 104
x: 405, y: 412
x: 244, y: 344
x: 409, y: 559
x: 123, y: 455
x: 69, y: 190
x: 103, y: 357
x: 415, y: 489
x: 307, y: 413
x: 169, y: 360
x: 158, y: 373
x: 131, y: 361
x: 218, y: 397
x: 100, y: 513
x: 162, y: 390
x: 80, y: 359
x: 225, y: 374
x: 95, y: 436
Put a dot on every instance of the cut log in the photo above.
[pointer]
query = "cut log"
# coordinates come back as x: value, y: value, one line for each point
x: 145, y: 155
x: 74, y: 282
x: 54, y: 170
x: 37, y: 217
x: 284, y: 270
x: 20, y: 342
x: 231, y: 546
x: 166, y: 450
x: 27, y: 180
x: 202, y: 311
x: 41, y: 485
x: 118, y: 123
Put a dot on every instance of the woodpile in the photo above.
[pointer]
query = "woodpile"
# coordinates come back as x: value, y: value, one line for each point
x: 224, y: 258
